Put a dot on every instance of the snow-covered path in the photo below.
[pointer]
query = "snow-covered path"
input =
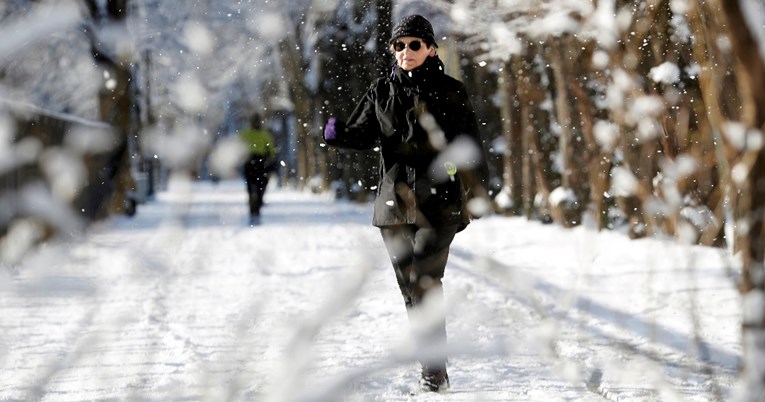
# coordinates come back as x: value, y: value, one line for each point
x: 186, y: 302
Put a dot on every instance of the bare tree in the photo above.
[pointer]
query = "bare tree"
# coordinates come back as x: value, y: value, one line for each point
x: 749, y: 188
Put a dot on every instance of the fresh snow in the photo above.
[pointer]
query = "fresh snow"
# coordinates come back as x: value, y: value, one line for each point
x: 184, y: 301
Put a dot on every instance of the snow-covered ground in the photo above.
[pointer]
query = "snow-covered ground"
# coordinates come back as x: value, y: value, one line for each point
x: 185, y: 302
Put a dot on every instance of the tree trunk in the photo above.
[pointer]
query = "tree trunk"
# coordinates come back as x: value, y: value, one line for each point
x: 384, y: 24
x: 750, y: 73
x: 538, y: 142
x: 567, y: 212
x: 598, y: 161
x: 292, y: 60
x: 512, y: 175
x: 109, y: 185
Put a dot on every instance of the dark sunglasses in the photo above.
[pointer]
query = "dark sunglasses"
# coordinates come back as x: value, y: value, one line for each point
x: 414, y: 45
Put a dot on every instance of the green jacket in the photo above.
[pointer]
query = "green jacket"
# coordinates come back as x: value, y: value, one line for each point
x: 259, y: 142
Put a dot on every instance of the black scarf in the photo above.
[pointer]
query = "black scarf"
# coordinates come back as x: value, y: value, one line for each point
x: 427, y: 74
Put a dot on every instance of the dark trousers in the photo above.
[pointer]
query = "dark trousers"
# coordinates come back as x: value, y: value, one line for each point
x: 256, y: 178
x: 419, y: 258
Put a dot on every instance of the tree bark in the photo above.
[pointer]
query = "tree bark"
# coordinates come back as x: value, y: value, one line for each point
x: 512, y: 174
x: 110, y: 184
x: 384, y: 26
x: 573, y: 177
x: 750, y: 73
x: 538, y: 143
x: 292, y: 60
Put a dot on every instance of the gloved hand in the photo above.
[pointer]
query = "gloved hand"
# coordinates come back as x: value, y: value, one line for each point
x: 331, y: 129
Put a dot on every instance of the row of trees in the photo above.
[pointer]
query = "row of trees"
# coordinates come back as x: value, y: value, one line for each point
x: 651, y: 109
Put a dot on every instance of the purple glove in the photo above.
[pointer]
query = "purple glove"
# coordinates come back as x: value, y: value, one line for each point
x: 330, y: 130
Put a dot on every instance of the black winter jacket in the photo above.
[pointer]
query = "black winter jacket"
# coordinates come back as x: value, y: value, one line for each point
x: 418, y: 180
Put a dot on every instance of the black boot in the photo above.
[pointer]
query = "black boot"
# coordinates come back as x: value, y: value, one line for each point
x: 434, y: 380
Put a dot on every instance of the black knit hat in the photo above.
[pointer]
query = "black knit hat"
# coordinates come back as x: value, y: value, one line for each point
x: 416, y: 26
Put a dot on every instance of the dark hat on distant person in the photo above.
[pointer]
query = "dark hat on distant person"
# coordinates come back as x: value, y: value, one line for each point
x: 416, y: 26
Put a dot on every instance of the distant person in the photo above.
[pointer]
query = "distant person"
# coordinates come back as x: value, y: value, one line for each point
x: 427, y: 133
x: 258, y: 165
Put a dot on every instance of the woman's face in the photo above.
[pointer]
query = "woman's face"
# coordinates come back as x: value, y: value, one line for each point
x: 407, y: 58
